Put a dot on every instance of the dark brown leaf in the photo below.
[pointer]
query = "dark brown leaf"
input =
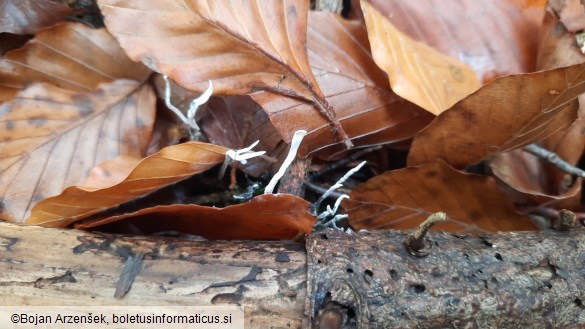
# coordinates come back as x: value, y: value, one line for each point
x: 236, y: 122
x: 532, y: 181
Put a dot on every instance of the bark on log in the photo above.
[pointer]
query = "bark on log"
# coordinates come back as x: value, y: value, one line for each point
x: 506, y: 280
x: 365, y: 280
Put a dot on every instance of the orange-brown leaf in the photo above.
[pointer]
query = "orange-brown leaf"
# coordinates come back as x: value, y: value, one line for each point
x: 354, y: 86
x: 71, y: 56
x: 494, y: 37
x: 242, y: 46
x: 111, y: 172
x: 170, y: 165
x: 269, y: 216
x: 417, y: 72
x: 28, y: 16
x: 401, y: 199
x: 51, y: 138
x: 503, y: 115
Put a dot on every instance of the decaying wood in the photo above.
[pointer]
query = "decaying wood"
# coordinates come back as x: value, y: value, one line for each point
x: 42, y: 266
x: 363, y: 280
x: 293, y: 181
x: 508, y: 280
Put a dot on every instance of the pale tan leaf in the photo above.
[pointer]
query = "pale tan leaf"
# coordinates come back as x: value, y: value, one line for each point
x: 50, y: 138
x: 494, y: 37
x: 417, y: 72
x: 71, y: 56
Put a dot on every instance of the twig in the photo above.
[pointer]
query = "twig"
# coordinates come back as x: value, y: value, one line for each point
x: 554, y: 159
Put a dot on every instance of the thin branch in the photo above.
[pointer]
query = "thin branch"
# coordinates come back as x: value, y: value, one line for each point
x: 554, y: 159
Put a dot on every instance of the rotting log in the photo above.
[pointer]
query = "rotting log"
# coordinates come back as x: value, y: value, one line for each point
x: 42, y: 266
x: 364, y: 280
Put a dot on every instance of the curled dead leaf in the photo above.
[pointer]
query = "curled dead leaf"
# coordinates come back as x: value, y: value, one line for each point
x: 264, y: 217
x: 168, y: 166
x: 535, y: 183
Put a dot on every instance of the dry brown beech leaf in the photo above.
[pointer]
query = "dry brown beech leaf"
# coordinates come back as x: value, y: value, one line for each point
x: 494, y: 37
x: 264, y: 217
x: 356, y: 88
x: 503, y: 115
x: 51, y: 138
x: 558, y: 49
x: 535, y: 182
x: 111, y: 172
x: 28, y: 16
x: 168, y: 166
x: 241, y: 46
x: 402, y: 199
x: 417, y: 72
x: 71, y: 56
x: 531, y: 182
